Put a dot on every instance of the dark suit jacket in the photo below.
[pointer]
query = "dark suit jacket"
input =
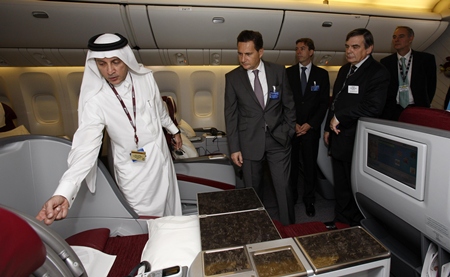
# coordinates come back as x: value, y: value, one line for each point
x: 312, y: 106
x: 423, y: 80
x: 245, y: 119
x: 372, y: 80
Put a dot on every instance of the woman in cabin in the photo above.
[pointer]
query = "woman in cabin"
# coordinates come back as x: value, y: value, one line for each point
x: 120, y: 95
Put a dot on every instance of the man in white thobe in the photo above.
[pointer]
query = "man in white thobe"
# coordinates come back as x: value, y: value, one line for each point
x: 120, y: 95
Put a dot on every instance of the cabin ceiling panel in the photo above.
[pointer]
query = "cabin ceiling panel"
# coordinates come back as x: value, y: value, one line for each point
x: 201, y: 27
x: 382, y: 28
x: 69, y: 25
x: 308, y: 24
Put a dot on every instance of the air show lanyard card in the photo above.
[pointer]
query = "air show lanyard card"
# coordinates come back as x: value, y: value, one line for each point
x: 139, y: 154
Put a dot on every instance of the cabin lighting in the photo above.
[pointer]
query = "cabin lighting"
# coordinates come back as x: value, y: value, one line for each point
x: 426, y: 5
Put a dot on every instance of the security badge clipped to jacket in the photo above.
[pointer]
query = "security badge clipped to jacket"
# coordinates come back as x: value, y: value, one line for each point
x: 274, y: 94
x: 353, y: 89
x: 315, y: 87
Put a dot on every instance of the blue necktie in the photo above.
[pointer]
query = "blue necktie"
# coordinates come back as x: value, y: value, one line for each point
x: 303, y: 79
x: 258, y: 89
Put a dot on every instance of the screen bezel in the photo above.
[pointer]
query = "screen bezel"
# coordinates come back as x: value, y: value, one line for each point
x: 418, y: 191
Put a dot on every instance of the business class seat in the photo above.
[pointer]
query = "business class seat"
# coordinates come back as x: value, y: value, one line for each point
x: 29, y: 247
x: 428, y: 117
x: 197, y: 173
x: 22, y: 251
x: 30, y: 169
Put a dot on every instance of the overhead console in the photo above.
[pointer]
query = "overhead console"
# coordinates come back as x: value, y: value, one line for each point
x: 52, y: 33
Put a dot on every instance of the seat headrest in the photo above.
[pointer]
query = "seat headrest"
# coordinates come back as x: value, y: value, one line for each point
x: 22, y: 251
x: 171, y: 108
x: 428, y: 117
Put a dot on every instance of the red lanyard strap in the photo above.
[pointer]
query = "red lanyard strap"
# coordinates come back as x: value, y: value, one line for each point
x: 133, y: 124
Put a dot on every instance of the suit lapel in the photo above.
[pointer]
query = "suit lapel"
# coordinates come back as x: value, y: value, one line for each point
x: 297, y: 84
x: 271, y: 82
x: 415, y: 67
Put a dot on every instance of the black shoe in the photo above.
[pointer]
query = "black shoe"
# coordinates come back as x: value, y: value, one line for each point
x: 330, y: 225
x: 310, y: 210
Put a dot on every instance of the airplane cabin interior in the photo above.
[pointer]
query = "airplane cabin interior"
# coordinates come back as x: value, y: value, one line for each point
x: 400, y: 176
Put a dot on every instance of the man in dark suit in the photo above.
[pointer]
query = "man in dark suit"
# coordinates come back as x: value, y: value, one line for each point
x: 414, y: 81
x: 359, y: 91
x: 260, y: 120
x: 311, y: 87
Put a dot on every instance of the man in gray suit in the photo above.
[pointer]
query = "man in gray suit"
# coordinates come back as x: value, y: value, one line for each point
x: 260, y: 120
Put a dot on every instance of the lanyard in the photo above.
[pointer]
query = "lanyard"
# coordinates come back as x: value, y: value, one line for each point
x: 404, y: 74
x: 133, y: 124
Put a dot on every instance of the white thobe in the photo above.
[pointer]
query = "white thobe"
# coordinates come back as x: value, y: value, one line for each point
x: 150, y: 187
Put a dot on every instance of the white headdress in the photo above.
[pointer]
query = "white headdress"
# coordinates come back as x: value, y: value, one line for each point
x: 105, y: 46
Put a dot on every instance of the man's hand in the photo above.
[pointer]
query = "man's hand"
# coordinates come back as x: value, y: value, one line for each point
x: 177, y: 142
x: 326, y: 137
x: 236, y: 157
x: 334, y: 124
x: 301, y: 130
x: 55, y: 208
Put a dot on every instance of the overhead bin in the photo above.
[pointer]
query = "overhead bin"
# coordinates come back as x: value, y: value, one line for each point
x: 425, y: 32
x: 327, y: 30
x: 39, y: 24
x: 187, y: 27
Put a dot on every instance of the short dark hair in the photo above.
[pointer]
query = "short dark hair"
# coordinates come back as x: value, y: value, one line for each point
x: 308, y: 42
x: 248, y: 35
x: 408, y: 29
x: 368, y: 37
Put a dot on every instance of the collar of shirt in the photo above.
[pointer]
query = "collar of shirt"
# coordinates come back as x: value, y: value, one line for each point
x: 406, y: 56
x: 124, y: 88
x: 361, y: 62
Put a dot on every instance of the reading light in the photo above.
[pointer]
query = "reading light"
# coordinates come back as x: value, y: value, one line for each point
x: 215, y: 59
x: 42, y: 59
x: 180, y: 59
x: 325, y: 60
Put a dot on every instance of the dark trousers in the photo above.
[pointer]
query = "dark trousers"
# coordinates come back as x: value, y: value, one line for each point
x: 346, y: 210
x: 278, y: 160
x: 304, y: 164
